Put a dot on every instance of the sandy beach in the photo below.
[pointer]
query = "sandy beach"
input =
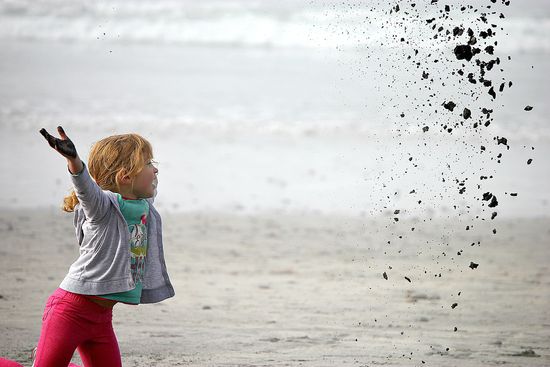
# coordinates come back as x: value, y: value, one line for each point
x: 298, y: 289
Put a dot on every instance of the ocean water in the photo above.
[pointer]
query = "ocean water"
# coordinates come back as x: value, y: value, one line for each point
x: 288, y: 105
x: 253, y: 23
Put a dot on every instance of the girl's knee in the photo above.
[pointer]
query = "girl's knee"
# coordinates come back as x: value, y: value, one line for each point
x: 8, y: 363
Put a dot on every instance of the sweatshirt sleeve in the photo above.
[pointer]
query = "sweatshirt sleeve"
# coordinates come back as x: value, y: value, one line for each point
x: 93, y: 200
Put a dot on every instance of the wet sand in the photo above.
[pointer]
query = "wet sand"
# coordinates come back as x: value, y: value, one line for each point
x: 307, y: 290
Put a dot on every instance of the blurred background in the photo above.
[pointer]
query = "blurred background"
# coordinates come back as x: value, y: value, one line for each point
x: 317, y: 210
x: 264, y: 105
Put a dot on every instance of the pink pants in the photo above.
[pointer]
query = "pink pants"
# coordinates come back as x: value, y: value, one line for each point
x: 72, y: 321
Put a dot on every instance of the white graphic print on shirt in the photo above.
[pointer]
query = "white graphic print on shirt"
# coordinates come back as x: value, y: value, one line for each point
x: 138, y: 248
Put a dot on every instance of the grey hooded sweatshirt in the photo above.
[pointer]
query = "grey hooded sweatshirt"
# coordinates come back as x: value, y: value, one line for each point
x: 102, y: 233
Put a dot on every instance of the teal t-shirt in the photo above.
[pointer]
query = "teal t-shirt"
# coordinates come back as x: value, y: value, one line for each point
x: 135, y: 212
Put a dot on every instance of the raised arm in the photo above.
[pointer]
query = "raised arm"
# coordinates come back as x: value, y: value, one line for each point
x: 92, y: 199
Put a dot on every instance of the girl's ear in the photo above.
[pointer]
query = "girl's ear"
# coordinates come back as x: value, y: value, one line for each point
x: 122, y: 178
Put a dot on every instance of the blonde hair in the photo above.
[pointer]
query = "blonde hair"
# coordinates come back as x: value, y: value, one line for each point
x: 112, y: 158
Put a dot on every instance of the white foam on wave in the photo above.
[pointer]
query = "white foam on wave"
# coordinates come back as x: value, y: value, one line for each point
x: 537, y: 131
x: 240, y: 24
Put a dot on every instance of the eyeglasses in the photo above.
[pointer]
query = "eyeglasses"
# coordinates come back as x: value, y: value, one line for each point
x: 153, y: 163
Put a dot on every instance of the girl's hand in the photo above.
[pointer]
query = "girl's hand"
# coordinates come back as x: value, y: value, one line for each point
x: 64, y: 145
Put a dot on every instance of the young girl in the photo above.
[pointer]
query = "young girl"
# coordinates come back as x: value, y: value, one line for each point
x: 121, y: 253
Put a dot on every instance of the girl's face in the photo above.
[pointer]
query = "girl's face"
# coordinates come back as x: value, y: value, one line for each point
x: 145, y: 182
